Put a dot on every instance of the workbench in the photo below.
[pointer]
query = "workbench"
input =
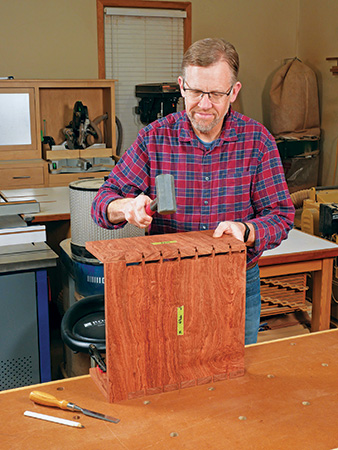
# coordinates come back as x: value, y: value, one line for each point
x: 299, y: 253
x: 54, y: 211
x: 287, y: 399
x: 54, y: 202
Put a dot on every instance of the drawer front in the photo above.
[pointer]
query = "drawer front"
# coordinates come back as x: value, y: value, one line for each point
x: 21, y: 177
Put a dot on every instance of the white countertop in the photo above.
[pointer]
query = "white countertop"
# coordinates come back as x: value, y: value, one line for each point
x: 300, y: 242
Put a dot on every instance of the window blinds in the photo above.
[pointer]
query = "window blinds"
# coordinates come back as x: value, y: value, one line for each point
x: 139, y: 49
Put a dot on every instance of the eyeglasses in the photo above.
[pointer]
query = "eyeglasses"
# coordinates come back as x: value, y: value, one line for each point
x: 197, y: 95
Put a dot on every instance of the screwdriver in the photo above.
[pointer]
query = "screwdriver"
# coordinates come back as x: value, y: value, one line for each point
x: 49, y: 400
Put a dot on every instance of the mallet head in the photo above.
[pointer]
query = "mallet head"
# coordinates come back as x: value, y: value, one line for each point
x: 165, y: 202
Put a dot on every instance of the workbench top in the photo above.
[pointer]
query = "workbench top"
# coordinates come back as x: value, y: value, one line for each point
x: 300, y: 243
x: 31, y: 256
x: 287, y: 399
x: 54, y: 201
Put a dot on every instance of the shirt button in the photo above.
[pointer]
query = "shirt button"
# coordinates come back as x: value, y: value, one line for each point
x: 204, y: 227
x: 207, y: 178
x: 206, y: 202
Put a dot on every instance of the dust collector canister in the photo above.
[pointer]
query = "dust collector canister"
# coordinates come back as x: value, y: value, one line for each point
x: 83, y: 228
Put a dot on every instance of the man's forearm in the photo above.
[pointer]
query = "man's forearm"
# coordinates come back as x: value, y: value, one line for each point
x: 130, y: 209
x: 116, y: 210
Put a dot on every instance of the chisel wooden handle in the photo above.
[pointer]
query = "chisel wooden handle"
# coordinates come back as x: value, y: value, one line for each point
x: 47, y: 399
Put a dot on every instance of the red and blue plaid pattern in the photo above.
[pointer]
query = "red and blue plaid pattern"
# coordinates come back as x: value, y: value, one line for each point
x: 239, y: 178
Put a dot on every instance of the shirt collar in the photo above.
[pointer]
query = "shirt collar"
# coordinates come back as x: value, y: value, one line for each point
x: 229, y: 131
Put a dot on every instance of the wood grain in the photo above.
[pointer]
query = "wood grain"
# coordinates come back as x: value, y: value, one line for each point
x: 145, y: 284
x: 279, y: 377
x: 152, y: 248
x: 321, y: 297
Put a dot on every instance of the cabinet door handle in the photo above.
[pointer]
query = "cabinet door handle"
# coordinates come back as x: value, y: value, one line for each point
x: 19, y: 178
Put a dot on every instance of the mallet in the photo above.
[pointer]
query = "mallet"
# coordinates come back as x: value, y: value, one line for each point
x: 165, y: 202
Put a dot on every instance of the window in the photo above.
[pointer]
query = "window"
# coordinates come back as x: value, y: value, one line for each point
x: 141, y: 45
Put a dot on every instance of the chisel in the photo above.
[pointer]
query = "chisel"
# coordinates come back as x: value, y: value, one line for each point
x: 49, y: 400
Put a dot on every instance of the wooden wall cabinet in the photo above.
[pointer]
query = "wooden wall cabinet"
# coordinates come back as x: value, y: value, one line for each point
x: 31, y: 108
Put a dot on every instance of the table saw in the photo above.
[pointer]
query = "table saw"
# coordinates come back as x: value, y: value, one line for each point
x: 24, y: 320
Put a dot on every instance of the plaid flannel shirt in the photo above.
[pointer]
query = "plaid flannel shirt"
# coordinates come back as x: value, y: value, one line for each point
x: 239, y: 178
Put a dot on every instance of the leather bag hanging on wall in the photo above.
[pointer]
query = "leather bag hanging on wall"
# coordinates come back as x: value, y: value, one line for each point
x: 294, y: 102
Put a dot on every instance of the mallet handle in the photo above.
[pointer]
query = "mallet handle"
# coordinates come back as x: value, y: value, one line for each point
x: 151, y: 207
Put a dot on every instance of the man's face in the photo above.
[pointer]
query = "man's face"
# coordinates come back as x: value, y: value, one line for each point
x: 206, y: 115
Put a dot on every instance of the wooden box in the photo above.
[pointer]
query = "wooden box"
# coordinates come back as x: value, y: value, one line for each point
x: 175, y: 308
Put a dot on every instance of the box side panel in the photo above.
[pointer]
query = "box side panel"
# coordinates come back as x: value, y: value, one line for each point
x: 150, y: 347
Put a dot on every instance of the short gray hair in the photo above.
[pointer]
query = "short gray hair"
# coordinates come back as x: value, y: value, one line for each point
x: 209, y: 51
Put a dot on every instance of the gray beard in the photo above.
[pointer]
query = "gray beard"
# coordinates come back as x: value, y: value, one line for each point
x: 204, y: 128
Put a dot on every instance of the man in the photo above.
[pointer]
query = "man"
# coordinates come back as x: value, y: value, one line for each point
x: 227, y: 170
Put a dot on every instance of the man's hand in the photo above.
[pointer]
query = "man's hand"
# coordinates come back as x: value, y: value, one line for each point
x: 236, y: 230
x: 130, y: 209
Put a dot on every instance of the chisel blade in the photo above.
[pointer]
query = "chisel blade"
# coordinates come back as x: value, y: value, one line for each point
x: 45, y: 399
x: 93, y: 414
